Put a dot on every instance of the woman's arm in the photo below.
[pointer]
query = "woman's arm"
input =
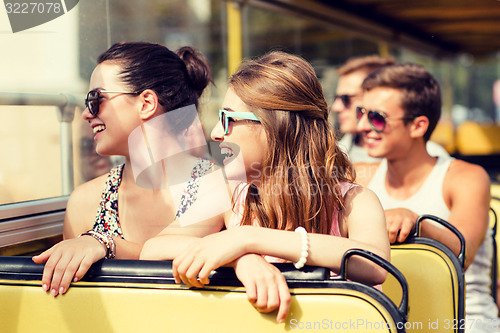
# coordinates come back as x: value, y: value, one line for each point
x: 175, y: 238
x: 207, y: 215
x: 265, y: 286
x: 365, y: 229
x: 362, y: 223
x: 70, y: 259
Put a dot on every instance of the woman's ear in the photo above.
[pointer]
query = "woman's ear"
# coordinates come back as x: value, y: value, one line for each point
x: 149, y: 104
x: 419, y: 126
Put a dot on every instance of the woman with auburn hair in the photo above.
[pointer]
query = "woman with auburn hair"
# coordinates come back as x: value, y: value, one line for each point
x: 299, y: 203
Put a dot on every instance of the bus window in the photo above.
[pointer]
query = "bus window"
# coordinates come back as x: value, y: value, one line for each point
x: 30, y: 165
x: 46, y: 149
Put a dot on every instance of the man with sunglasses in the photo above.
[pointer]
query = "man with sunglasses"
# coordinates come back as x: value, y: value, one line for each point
x: 348, y: 96
x: 401, y: 107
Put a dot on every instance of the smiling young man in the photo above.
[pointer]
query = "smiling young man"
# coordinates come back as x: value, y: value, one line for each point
x: 348, y: 96
x: 400, y: 108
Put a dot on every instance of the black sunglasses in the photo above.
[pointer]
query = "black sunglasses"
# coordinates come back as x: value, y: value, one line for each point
x: 377, y: 120
x: 92, y: 101
x: 345, y: 99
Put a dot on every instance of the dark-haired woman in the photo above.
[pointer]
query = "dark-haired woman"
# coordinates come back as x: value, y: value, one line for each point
x: 141, y: 105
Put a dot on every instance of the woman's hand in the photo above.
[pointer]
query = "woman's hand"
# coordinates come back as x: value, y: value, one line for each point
x: 193, y: 266
x: 67, y: 262
x: 266, y: 287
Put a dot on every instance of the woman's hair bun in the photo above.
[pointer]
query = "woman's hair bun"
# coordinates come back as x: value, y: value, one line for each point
x: 197, y: 67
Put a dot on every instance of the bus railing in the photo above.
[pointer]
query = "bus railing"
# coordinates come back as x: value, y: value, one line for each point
x: 65, y: 104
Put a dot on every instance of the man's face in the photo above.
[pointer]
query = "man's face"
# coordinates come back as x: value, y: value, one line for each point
x: 384, y: 140
x: 349, y: 87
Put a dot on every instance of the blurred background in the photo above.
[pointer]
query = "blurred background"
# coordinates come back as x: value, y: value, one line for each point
x: 46, y: 149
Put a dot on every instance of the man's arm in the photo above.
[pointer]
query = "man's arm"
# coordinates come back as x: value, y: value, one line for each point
x: 467, y: 192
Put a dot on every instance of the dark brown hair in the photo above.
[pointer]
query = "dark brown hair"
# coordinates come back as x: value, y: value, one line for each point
x: 177, y: 78
x: 420, y: 93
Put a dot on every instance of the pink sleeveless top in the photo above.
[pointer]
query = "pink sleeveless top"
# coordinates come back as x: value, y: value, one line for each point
x: 239, y: 207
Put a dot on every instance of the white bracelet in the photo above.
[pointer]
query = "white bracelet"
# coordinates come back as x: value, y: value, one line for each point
x: 305, y: 248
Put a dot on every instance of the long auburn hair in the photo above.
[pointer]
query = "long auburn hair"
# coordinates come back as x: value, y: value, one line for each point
x: 304, y: 166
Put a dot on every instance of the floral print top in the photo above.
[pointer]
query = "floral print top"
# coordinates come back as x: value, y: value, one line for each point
x: 191, y: 190
x: 107, y: 219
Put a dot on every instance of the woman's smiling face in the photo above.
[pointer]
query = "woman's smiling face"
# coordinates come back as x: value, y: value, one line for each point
x: 118, y: 114
x: 245, y: 144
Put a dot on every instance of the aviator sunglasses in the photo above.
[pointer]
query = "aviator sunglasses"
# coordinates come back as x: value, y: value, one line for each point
x: 92, y: 101
x: 377, y: 120
x: 226, y: 116
x: 345, y: 99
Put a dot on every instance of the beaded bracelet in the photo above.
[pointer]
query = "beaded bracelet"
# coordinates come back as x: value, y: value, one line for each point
x: 112, y: 247
x: 105, y: 239
x: 305, y: 248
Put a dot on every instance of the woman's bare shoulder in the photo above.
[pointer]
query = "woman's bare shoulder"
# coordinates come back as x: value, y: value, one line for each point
x: 82, y: 205
x: 89, y: 189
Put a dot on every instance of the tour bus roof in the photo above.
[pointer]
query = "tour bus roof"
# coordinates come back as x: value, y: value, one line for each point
x: 441, y: 27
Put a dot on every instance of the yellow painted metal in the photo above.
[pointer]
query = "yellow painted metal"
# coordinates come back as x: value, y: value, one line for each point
x: 444, y: 134
x: 97, y: 307
x: 234, y: 36
x: 383, y: 49
x: 478, y: 139
x: 433, y: 295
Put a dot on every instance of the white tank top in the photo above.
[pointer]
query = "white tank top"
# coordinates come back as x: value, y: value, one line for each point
x: 480, y: 308
x: 428, y: 192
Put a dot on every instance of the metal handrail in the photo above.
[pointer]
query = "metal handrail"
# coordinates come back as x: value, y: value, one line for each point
x: 66, y: 104
x: 59, y: 100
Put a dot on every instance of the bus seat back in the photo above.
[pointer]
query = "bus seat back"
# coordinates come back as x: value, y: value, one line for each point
x: 110, y: 303
x: 435, y: 282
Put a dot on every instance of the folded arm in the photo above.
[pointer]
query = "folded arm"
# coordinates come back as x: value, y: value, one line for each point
x: 364, y: 224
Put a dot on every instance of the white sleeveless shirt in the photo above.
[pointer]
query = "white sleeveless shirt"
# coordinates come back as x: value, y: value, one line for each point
x: 480, y: 309
x: 430, y: 193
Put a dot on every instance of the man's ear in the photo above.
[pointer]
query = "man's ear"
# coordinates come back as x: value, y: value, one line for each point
x: 419, y: 126
x: 149, y: 104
